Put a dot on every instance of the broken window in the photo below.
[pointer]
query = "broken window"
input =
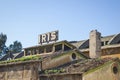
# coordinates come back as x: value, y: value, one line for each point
x: 28, y: 52
x: 58, y: 47
x: 73, y: 56
x: 106, y: 42
x: 102, y: 43
x: 118, y: 42
x: 41, y: 50
x: 49, y: 49
x: 34, y: 51
x: 115, y: 70
x: 66, y: 48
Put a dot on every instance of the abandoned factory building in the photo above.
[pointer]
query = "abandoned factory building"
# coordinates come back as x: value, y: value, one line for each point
x: 110, y: 46
x: 97, y: 58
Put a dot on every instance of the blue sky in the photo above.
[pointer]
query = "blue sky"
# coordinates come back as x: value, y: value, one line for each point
x: 24, y: 20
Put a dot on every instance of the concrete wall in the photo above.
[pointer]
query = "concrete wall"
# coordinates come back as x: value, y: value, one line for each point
x: 111, y: 51
x: 19, y: 71
x: 61, y: 59
x: 106, y: 72
x: 61, y: 77
x: 95, y: 44
x: 108, y: 52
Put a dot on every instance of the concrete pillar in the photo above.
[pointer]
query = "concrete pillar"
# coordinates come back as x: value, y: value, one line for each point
x: 24, y: 52
x: 95, y: 44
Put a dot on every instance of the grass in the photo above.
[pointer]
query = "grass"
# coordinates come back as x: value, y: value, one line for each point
x: 25, y: 58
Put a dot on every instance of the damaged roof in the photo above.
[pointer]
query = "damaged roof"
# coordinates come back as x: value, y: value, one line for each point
x: 81, y: 66
x: 106, y: 40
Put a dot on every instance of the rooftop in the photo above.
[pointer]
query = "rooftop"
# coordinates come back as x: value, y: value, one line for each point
x: 81, y: 66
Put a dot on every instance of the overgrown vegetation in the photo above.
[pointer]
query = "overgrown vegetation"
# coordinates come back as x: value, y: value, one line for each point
x: 13, y: 48
x: 104, y: 61
x: 61, y: 54
x: 25, y: 58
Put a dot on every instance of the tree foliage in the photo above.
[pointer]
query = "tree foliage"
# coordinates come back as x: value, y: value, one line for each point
x: 3, y: 48
x: 15, y: 47
x: 3, y: 39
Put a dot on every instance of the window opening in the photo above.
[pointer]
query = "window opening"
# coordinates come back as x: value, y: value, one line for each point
x: 49, y: 49
x: 41, y: 50
x: 118, y: 41
x: 58, y: 47
x: 66, y: 48
x: 102, y: 43
x: 106, y: 42
x: 115, y: 70
x: 73, y: 56
x: 28, y: 52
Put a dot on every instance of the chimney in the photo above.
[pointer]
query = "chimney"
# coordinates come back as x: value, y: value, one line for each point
x: 95, y: 44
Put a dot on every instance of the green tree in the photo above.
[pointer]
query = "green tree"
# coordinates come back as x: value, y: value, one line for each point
x: 15, y: 47
x: 3, y: 39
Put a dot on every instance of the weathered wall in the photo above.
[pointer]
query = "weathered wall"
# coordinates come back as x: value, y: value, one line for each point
x: 95, y: 44
x: 105, y: 72
x: 61, y: 77
x: 20, y: 71
x: 108, y: 52
x: 111, y: 51
x: 61, y: 59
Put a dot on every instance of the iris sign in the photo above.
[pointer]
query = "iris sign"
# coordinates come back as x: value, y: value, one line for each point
x: 48, y: 37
